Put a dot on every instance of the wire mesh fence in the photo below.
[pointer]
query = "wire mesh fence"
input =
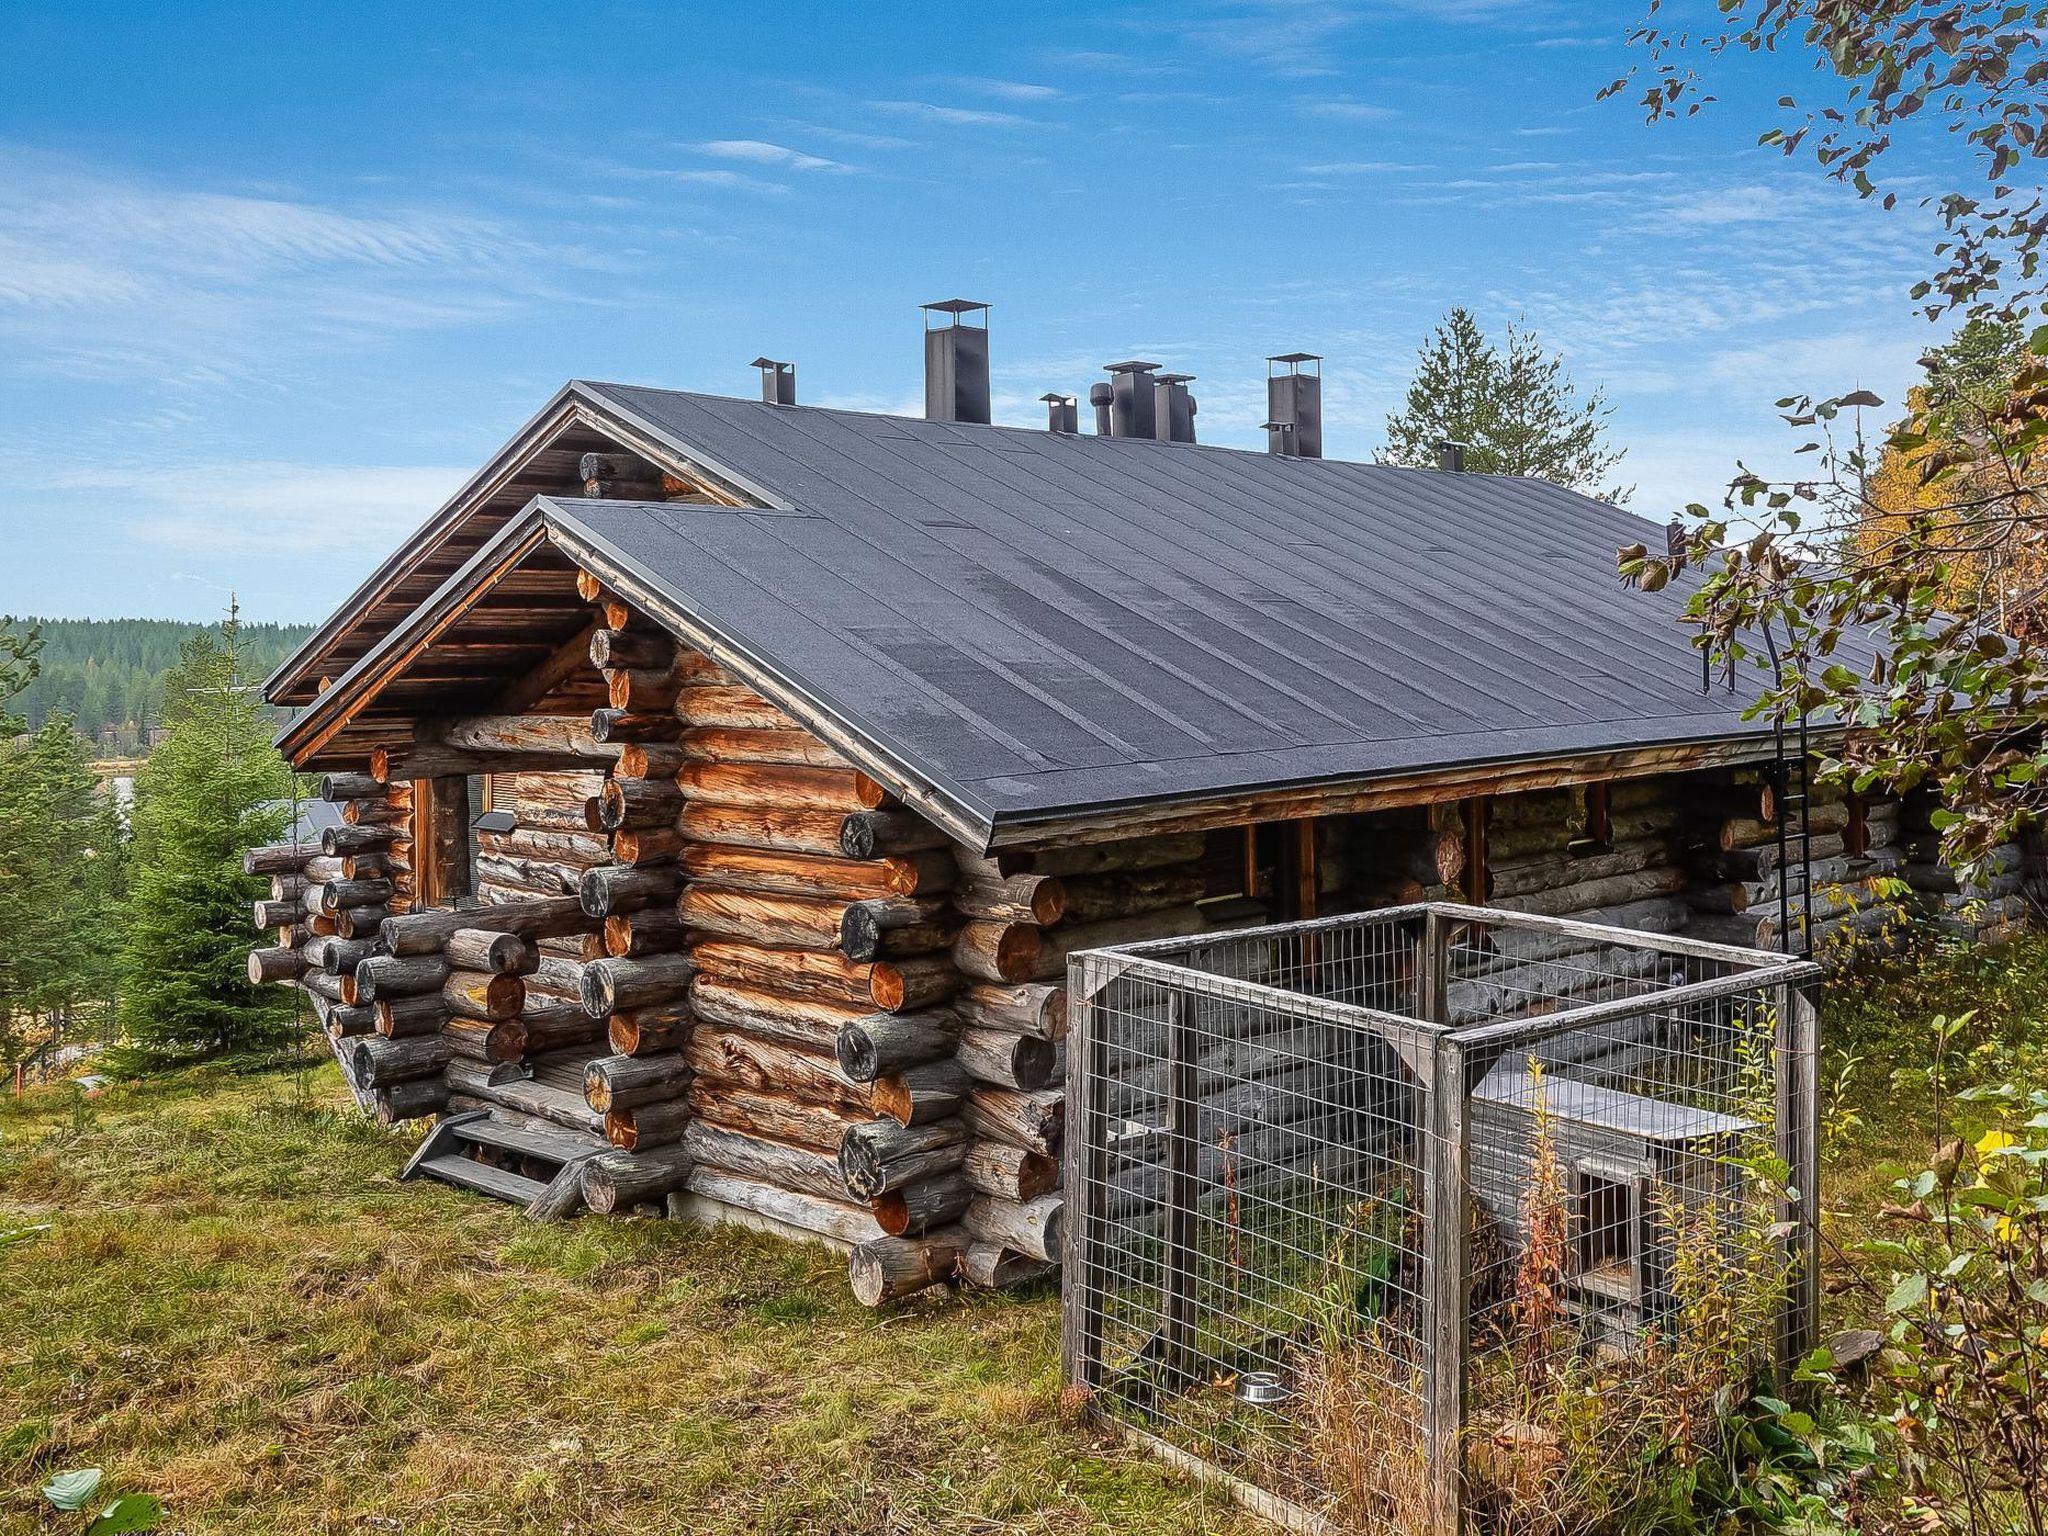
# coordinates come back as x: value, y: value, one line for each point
x: 1433, y: 1212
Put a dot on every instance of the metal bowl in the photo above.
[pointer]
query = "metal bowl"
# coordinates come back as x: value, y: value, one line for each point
x: 1263, y: 1389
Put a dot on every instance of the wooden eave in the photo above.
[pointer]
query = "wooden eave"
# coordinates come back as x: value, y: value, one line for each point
x: 541, y: 458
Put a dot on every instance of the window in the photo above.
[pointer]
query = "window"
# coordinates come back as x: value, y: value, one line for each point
x: 1610, y: 1199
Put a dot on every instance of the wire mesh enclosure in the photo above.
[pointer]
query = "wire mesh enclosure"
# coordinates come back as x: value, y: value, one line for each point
x: 1437, y: 1212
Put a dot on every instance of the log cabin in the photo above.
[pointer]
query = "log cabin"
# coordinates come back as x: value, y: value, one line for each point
x: 724, y: 782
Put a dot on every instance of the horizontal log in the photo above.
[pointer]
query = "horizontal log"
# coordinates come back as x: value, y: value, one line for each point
x: 377, y: 813
x: 1099, y: 858
x: 616, y: 727
x: 614, y: 985
x: 481, y: 949
x: 837, y: 1220
x: 1033, y: 1121
x: 347, y: 839
x: 877, y: 1156
x: 742, y: 744
x: 725, y: 704
x: 611, y: 888
x: 773, y: 1066
x: 1006, y: 1059
x: 651, y: 845
x: 538, y: 876
x: 1039, y: 899
x: 343, y: 1023
x: 917, y: 1208
x: 648, y: 1125
x: 651, y: 931
x: 886, y: 1269
x: 376, y: 1062
x: 774, y: 1116
x: 364, y: 923
x: 1002, y: 952
x: 410, y: 1100
x: 807, y: 1022
x: 651, y: 759
x: 612, y: 649
x: 1100, y: 898
x: 421, y: 1014
x: 890, y: 1042
x: 886, y: 985
x: 993, y: 1267
x: 1615, y: 890
x: 638, y: 804
x: 626, y: 1082
x: 783, y: 787
x: 1029, y: 1008
x: 481, y: 995
x: 1071, y: 938
x: 331, y: 896
x: 804, y: 1169
x: 350, y: 786
x: 1743, y: 831
x: 918, y: 1095
x: 1032, y: 1227
x: 1009, y: 1173
x: 618, y: 1181
x: 421, y: 933
x: 770, y: 921
x: 540, y: 1030
x: 825, y: 877
x: 644, y: 1031
x: 275, y: 965
x: 642, y: 690
x: 277, y: 858
x: 386, y: 976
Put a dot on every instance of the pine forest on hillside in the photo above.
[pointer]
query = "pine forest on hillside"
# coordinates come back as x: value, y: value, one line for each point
x: 108, y: 674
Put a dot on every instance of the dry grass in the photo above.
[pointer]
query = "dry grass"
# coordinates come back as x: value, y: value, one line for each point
x: 236, y: 1307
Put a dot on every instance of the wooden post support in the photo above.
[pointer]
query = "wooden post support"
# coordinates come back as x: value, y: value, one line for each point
x: 1798, y: 1053
x: 1083, y: 1171
x: 1178, y: 1305
x: 1446, y: 1279
x: 444, y: 833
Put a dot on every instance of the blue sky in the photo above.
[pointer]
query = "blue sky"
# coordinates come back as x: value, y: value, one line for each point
x: 273, y: 280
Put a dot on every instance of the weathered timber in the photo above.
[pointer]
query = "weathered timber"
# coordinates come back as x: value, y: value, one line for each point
x: 872, y: 834
x: 919, y: 1095
x: 917, y: 1208
x: 652, y: 931
x: 862, y: 835
x: 804, y: 1169
x: 993, y: 1267
x: 532, y: 876
x: 648, y: 1125
x: 728, y: 705
x: 1029, y: 1008
x: 626, y: 1082
x: 1031, y: 1227
x: 1741, y: 831
x: 618, y: 1181
x: 617, y: 727
x: 343, y: 1022
x: 890, y: 1042
x: 651, y: 760
x: 411, y: 1099
x: 806, y: 1022
x: 331, y: 896
x: 775, y: 1116
x: 1099, y: 898
x: 538, y: 1031
x: 772, y: 1066
x: 347, y: 839
x: 877, y: 1156
x: 481, y: 949
x: 644, y: 1031
x: 771, y: 921
x: 1005, y: 952
x: 350, y: 786
x: 361, y: 922
x: 814, y: 875
x: 277, y: 859
x: 1070, y: 860
x: 611, y: 649
x: 1033, y: 1121
x: 904, y: 925
x: 376, y: 813
x: 783, y: 787
x: 612, y: 985
x: 886, y: 1269
x: 638, y: 804
x: 742, y: 744
x: 642, y: 690
x: 383, y: 976
x: 1006, y: 1059
x: 887, y: 985
x: 420, y: 1014
x: 275, y: 965
x: 377, y: 1062
x: 841, y: 1222
x: 611, y: 888
x: 483, y: 995
x: 652, y: 845
x: 1010, y: 1173
x: 1039, y: 899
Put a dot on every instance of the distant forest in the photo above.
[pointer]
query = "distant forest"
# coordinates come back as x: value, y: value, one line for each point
x: 109, y: 673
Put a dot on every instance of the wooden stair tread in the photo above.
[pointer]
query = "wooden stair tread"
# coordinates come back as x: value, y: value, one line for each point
x: 528, y: 1141
x: 498, y: 1183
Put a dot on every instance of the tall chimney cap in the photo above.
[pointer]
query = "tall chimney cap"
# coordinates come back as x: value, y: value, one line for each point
x: 1052, y: 394
x: 1133, y: 366
x: 959, y: 309
x: 1174, y: 378
x: 768, y: 362
x: 1295, y: 359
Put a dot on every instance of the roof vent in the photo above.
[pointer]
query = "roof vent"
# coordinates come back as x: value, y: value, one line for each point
x: 1173, y: 408
x: 1101, y: 397
x: 1294, y: 405
x: 1450, y: 456
x: 956, y: 362
x: 1062, y: 413
x: 778, y: 381
x: 1130, y: 403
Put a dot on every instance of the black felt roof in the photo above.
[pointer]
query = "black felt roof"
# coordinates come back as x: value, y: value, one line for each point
x: 1041, y: 624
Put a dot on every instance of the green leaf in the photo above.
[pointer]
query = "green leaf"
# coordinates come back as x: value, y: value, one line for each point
x: 1907, y: 1294
x: 73, y: 1490
x: 130, y: 1512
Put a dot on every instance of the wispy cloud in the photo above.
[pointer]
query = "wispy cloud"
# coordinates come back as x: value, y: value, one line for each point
x: 1359, y: 167
x: 1348, y: 108
x: 855, y: 137
x: 761, y: 152
x: 959, y: 117
x: 1005, y: 90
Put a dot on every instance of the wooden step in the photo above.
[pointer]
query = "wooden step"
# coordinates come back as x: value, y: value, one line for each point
x: 498, y: 1183
x: 528, y: 1141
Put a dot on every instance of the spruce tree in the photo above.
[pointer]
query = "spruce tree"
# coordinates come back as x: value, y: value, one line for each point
x: 213, y: 789
x: 1517, y: 412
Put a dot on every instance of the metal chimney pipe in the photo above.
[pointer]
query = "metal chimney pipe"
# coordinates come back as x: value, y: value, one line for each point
x: 1130, y: 411
x: 1294, y: 405
x: 956, y: 363
x: 1173, y: 408
x: 1062, y: 413
x: 778, y: 381
x: 1450, y: 456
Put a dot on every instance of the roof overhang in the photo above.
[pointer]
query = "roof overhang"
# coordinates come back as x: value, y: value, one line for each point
x: 574, y: 405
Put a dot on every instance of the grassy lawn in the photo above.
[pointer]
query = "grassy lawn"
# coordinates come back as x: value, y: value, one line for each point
x: 235, y: 1306
x: 232, y: 1304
